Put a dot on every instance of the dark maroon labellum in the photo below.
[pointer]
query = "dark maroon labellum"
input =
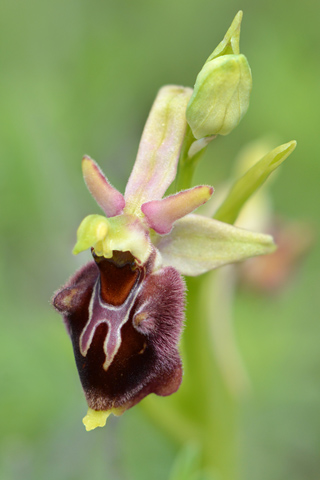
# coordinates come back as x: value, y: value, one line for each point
x: 125, y: 322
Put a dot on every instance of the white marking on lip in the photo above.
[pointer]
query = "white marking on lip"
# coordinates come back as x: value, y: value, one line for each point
x: 114, y: 316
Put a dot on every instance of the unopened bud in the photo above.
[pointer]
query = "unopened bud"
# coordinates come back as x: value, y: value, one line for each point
x: 221, y: 96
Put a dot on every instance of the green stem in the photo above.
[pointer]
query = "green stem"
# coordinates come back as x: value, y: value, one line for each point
x: 170, y: 419
x: 212, y: 397
x: 205, y: 409
x: 187, y: 164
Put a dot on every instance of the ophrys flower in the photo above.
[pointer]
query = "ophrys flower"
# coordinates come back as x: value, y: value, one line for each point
x: 124, y: 311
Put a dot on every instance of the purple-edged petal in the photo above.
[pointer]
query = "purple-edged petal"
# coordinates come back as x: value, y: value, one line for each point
x: 110, y: 200
x: 161, y: 214
x: 198, y: 244
x: 156, y: 164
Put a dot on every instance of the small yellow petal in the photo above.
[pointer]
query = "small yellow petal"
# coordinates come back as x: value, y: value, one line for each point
x: 95, y: 418
x: 104, y: 235
x: 93, y: 229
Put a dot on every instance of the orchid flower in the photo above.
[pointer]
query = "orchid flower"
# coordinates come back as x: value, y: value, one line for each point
x: 124, y: 311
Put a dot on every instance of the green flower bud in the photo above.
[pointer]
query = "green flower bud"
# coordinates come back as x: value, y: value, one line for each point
x: 222, y: 89
x: 221, y: 96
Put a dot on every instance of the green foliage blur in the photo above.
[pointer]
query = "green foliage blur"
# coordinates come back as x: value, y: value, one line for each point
x: 79, y: 77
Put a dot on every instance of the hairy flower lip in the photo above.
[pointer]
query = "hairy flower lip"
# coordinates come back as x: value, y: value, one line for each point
x: 146, y: 359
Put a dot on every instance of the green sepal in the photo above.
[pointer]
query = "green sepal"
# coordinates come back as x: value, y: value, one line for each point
x: 198, y: 244
x: 231, y: 42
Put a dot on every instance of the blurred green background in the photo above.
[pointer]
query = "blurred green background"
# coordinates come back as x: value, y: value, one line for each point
x: 78, y: 77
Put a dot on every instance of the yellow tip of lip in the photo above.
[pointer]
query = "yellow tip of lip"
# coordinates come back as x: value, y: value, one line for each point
x: 95, y: 418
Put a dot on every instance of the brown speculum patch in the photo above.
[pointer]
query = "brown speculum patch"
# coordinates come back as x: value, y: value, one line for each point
x: 118, y: 275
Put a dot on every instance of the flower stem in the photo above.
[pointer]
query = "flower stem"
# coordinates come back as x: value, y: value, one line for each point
x: 212, y: 397
x: 187, y: 164
x: 204, y: 411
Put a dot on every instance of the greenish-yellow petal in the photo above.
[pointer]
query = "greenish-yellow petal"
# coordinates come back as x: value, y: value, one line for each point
x: 123, y: 233
x: 93, y: 229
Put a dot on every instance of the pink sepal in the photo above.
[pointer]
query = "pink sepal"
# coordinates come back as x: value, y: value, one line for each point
x: 159, y: 150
